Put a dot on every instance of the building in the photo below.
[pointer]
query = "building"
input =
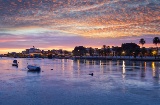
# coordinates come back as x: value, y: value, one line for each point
x: 32, y: 52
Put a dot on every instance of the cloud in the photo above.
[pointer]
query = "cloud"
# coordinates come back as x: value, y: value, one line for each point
x: 47, y: 20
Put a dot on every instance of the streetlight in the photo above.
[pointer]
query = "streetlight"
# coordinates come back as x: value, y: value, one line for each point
x: 123, y: 53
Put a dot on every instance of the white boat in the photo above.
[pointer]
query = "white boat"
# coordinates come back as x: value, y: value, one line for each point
x: 33, y: 68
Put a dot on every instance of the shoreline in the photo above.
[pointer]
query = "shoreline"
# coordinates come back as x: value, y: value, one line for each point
x: 131, y: 58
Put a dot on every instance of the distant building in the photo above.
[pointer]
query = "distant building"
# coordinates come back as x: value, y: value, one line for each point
x: 116, y: 51
x: 92, y: 51
x: 152, y: 51
x: 34, y: 52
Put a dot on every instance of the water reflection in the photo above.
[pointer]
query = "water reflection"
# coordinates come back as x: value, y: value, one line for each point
x: 143, y: 69
x: 33, y: 72
x: 111, y: 78
x: 128, y: 68
x: 155, y: 70
x: 123, y: 70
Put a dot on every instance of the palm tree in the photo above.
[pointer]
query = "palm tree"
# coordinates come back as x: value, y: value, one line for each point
x: 156, y: 40
x: 142, y: 41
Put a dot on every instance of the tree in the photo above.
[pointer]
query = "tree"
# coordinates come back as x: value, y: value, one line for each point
x: 79, y: 51
x: 99, y: 52
x: 143, y: 51
x: 156, y: 40
x: 130, y: 49
x: 142, y: 41
x: 117, y: 50
x: 104, y: 48
x: 91, y: 51
x: 108, y: 50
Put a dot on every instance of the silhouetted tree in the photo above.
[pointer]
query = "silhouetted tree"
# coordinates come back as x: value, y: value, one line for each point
x: 150, y: 52
x: 99, y: 52
x: 143, y: 51
x: 79, y: 51
x: 108, y: 50
x: 91, y: 51
x: 104, y: 50
x: 130, y: 49
x: 142, y: 41
x: 117, y: 50
x: 156, y: 40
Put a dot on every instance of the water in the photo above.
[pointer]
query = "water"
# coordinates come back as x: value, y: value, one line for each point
x: 113, y: 82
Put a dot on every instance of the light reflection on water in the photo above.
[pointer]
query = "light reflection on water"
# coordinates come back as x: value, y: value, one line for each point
x: 113, y: 82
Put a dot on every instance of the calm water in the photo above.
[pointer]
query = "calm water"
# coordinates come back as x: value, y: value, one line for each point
x: 113, y: 82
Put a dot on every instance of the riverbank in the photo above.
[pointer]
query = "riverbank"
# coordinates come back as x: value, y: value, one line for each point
x: 118, y: 58
x: 130, y: 58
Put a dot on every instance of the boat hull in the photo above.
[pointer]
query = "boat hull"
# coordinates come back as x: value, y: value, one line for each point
x: 14, y: 64
x: 33, y: 68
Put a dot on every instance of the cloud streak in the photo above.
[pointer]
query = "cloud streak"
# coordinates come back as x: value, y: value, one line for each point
x: 45, y: 20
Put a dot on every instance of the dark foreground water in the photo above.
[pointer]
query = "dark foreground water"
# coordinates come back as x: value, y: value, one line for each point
x: 113, y: 82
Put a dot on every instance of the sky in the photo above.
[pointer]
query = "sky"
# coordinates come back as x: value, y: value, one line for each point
x: 64, y: 24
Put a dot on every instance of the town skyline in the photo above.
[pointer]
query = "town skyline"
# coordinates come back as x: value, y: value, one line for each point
x: 141, y: 44
x: 71, y: 49
x: 64, y: 24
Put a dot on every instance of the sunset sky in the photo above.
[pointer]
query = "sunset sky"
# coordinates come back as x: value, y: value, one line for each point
x: 64, y: 24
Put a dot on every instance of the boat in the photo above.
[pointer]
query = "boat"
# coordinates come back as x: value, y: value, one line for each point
x: 15, y: 63
x: 33, y: 68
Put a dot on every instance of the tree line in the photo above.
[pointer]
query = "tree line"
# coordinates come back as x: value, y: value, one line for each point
x: 126, y: 49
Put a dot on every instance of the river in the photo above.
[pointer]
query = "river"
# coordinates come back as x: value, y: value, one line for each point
x: 66, y: 82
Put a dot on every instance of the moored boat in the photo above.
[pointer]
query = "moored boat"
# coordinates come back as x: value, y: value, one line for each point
x: 33, y: 68
x: 15, y: 63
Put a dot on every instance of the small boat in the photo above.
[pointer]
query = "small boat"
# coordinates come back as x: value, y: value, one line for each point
x: 33, y: 68
x: 15, y: 63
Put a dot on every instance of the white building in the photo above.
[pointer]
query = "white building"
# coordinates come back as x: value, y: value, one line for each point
x: 32, y: 51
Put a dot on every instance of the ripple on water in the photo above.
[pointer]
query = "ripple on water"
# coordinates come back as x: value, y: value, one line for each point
x: 69, y: 83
